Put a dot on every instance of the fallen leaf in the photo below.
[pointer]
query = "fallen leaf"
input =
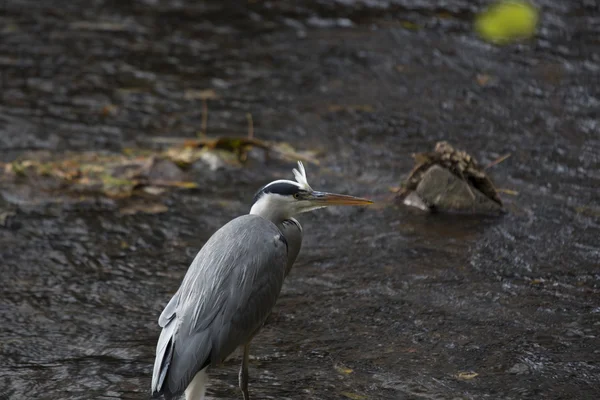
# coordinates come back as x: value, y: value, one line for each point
x: 482, y: 79
x: 15, y: 168
x: 444, y: 15
x: 206, y: 94
x: 343, y: 369
x: 410, y: 25
x: 589, y: 211
x: 144, y: 208
x: 467, y: 375
x: 193, y: 143
x: 115, y: 187
x: 233, y: 144
x: 153, y: 190
x: 508, y: 191
x: 183, y: 156
x: 109, y: 109
x: 117, y: 182
x: 176, y: 184
x: 121, y: 175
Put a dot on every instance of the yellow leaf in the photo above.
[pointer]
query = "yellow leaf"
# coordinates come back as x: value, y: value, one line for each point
x: 16, y: 168
x: 507, y: 21
x: 343, y: 369
x: 184, y: 184
x: 467, y: 375
x: 508, y: 191
x: 411, y: 26
x: 109, y: 180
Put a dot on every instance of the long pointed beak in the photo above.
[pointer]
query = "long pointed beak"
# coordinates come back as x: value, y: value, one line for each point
x: 332, y: 199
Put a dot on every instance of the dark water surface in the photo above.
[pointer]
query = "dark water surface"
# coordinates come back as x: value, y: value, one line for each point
x: 383, y: 303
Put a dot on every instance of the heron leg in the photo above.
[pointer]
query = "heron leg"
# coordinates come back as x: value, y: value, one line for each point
x: 244, y: 372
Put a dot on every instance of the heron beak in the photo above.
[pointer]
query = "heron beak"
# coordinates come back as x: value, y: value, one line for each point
x: 332, y: 199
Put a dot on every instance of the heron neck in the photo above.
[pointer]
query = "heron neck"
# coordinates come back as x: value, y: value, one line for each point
x: 276, y: 218
x: 271, y: 210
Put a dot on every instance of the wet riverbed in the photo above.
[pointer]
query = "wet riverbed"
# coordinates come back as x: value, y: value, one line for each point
x: 383, y: 303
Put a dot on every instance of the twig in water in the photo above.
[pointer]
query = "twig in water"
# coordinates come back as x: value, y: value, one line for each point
x: 250, y: 126
x: 498, y: 161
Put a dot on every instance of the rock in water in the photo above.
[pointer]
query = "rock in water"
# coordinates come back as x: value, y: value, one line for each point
x: 441, y: 190
x: 450, y: 180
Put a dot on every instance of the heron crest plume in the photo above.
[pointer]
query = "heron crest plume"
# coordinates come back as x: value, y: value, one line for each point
x: 300, y: 175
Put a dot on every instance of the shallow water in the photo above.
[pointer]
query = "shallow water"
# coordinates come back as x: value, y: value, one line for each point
x: 405, y: 301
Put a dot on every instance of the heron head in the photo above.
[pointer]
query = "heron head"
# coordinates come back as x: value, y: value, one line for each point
x: 283, y: 199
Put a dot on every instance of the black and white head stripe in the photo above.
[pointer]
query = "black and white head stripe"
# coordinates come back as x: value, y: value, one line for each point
x: 281, y: 187
x: 284, y: 187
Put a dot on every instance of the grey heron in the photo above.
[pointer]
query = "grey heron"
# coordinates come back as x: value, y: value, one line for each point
x: 232, y: 285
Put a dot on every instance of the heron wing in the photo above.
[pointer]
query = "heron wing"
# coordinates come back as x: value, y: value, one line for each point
x: 169, y: 312
x: 227, y: 293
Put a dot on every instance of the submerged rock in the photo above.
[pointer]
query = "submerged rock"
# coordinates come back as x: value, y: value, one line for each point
x: 519, y: 369
x: 450, y: 180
